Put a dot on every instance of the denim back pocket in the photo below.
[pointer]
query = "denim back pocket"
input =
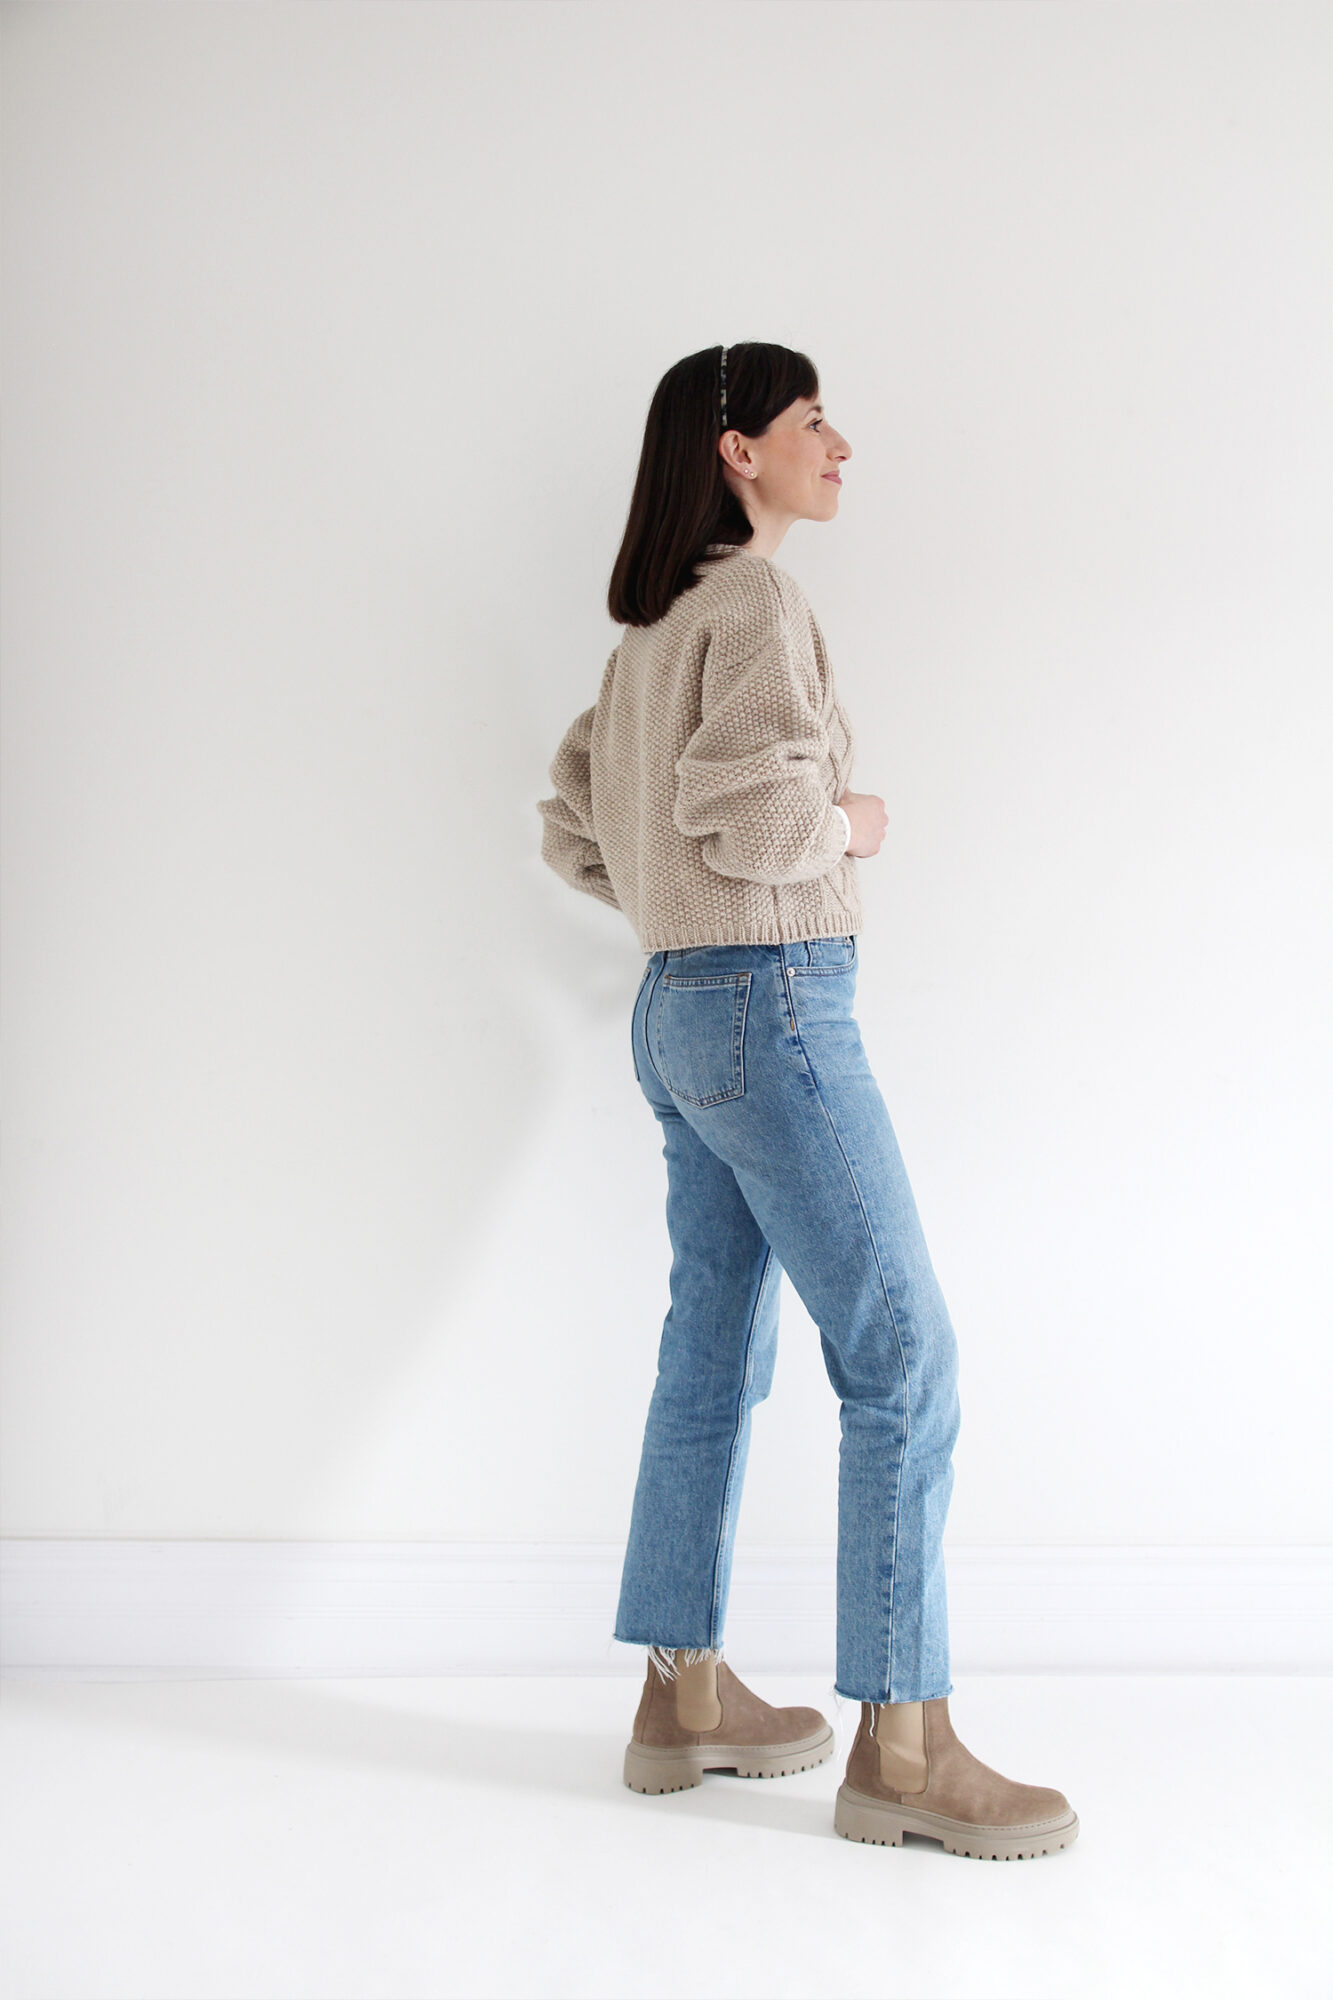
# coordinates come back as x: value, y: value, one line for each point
x: 697, y: 1026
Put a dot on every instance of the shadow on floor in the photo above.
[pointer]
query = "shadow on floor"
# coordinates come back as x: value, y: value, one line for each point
x: 310, y: 1720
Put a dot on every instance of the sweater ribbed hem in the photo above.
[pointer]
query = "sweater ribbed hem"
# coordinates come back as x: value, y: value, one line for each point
x: 702, y: 944
x: 693, y: 940
x: 827, y: 906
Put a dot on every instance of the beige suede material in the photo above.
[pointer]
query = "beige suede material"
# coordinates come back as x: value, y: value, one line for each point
x: 745, y: 1719
x: 637, y: 1733
x: 959, y: 1785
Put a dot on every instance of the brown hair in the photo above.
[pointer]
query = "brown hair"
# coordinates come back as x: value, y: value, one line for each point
x: 681, y: 500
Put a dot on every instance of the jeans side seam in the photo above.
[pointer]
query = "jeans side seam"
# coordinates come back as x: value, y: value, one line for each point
x: 735, y: 1439
x: 647, y: 1042
x: 898, y: 1341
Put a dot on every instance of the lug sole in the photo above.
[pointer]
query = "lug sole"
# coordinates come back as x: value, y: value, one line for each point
x: 652, y: 1768
x: 882, y: 1823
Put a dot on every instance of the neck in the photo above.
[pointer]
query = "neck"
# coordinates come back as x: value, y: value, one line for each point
x: 770, y: 526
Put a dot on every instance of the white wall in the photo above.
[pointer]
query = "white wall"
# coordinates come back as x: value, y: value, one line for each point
x: 332, y: 1207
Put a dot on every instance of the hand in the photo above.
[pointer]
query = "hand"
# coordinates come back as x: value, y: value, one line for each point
x: 869, y: 822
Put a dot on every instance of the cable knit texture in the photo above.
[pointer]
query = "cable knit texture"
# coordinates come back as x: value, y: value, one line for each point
x: 697, y: 794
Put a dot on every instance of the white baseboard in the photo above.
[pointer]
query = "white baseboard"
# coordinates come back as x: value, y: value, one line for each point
x: 115, y: 1610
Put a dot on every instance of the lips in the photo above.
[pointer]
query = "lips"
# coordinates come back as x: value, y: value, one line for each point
x: 834, y: 477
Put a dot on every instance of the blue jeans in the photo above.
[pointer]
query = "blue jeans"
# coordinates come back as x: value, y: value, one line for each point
x: 780, y: 1156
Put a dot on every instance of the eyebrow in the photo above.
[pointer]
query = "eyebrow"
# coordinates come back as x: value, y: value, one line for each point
x: 812, y: 409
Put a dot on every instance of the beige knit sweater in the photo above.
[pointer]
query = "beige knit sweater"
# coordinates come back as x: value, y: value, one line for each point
x: 697, y: 793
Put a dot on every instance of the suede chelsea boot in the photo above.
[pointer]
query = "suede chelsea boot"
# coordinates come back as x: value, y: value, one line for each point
x: 698, y: 1717
x: 908, y: 1773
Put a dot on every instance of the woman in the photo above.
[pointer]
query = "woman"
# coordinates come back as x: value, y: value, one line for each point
x: 705, y: 795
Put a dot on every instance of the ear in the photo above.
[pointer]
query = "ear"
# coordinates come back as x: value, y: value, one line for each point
x: 734, y: 454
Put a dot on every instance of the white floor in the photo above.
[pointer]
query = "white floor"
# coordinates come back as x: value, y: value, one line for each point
x: 426, y: 1839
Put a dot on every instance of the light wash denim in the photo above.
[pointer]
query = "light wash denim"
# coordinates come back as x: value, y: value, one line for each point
x: 780, y: 1156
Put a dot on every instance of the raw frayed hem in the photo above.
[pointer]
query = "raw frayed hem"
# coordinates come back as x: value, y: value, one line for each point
x: 876, y: 1706
x: 668, y: 1659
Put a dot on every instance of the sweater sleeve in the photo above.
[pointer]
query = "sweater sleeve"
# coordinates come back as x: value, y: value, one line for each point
x: 752, y: 784
x: 569, y: 844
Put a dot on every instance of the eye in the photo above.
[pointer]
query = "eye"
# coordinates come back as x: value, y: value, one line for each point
x: 817, y: 422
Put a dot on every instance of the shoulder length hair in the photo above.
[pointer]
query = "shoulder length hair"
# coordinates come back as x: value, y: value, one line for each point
x: 681, y: 500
